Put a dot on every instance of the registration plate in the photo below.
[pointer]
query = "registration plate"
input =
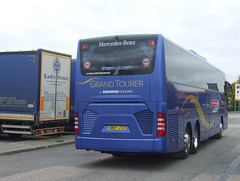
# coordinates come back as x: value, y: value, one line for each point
x: 117, y: 128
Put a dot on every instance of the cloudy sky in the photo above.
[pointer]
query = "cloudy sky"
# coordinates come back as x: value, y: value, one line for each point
x: 209, y: 27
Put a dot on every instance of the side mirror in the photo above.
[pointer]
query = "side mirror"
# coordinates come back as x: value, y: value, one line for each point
x: 228, y: 88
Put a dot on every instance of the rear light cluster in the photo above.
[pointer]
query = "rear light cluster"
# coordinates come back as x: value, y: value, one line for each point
x: 85, y: 47
x: 61, y: 129
x: 76, y: 124
x: 151, y: 43
x: 161, y: 125
x: 49, y: 131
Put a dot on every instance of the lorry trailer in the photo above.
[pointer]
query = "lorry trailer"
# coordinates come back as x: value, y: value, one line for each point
x: 34, y: 92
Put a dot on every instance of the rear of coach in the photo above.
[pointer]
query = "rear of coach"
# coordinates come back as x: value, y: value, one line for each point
x: 121, y: 94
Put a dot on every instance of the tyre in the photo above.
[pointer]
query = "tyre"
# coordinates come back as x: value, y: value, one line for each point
x: 119, y: 154
x: 15, y: 135
x: 196, y: 140
x: 187, y: 144
x: 219, y: 135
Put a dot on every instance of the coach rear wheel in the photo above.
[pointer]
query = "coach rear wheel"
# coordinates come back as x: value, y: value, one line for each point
x: 119, y: 154
x: 187, y: 144
x: 195, y: 140
x: 219, y: 135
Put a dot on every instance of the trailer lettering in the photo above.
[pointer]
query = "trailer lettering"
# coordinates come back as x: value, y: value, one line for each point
x: 52, y: 76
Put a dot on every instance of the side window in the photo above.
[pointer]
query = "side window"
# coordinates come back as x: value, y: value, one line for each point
x: 183, y: 67
x: 188, y: 69
x: 173, y: 62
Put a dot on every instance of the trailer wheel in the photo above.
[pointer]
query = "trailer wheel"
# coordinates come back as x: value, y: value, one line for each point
x: 15, y: 135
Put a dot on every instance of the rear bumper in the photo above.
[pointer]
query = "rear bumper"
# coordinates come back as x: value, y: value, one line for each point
x: 122, y: 145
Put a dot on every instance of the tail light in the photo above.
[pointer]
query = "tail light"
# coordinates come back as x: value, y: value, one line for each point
x: 85, y: 47
x: 161, y: 125
x: 151, y: 43
x: 76, y: 124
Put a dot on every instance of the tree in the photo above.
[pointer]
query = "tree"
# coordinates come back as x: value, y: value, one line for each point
x: 238, y: 81
x: 231, y: 99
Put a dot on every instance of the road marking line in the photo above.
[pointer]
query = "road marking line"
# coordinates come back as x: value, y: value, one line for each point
x: 230, y: 169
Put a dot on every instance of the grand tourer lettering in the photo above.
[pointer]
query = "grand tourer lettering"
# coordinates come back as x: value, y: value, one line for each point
x: 116, y: 83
